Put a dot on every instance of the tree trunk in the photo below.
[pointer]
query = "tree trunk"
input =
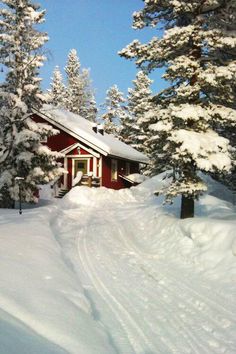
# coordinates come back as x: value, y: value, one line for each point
x: 187, y: 207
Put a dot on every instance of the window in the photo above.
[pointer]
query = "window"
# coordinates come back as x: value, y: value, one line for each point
x: 80, y: 165
x: 127, y: 168
x: 44, y: 140
x: 114, y: 170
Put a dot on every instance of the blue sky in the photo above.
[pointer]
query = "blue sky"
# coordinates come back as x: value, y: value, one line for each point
x: 97, y: 29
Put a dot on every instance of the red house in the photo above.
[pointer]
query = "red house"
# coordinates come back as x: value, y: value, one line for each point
x: 102, y: 159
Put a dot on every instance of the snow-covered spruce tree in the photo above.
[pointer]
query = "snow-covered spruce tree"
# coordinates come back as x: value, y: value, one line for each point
x: 79, y: 95
x: 128, y: 128
x: 58, y: 91
x: 21, y: 153
x: 229, y: 179
x: 198, y: 50
x: 139, y: 105
x: 89, y: 108
x: 115, y: 111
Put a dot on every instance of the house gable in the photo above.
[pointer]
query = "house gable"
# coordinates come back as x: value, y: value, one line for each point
x: 82, y: 130
x: 68, y: 132
x: 82, y: 155
x: 77, y: 149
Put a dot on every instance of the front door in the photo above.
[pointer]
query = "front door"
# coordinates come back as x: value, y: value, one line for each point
x: 81, y: 165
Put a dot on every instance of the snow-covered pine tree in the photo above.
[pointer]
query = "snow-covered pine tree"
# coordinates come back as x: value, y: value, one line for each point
x: 21, y: 153
x: 198, y: 50
x: 128, y: 129
x: 115, y: 111
x: 230, y: 179
x: 57, y: 92
x: 139, y: 105
x: 89, y: 109
x: 74, y: 85
x: 79, y: 95
x: 160, y: 157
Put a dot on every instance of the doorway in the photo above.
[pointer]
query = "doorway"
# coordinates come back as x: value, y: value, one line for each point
x: 80, y: 165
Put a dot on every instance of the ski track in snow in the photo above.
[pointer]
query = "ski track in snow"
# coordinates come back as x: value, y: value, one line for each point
x: 147, y: 303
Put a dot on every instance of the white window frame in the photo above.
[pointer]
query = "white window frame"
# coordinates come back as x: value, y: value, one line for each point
x: 79, y: 159
x: 114, y: 170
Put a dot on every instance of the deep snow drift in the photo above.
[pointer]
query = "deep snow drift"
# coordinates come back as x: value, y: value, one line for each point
x: 105, y: 272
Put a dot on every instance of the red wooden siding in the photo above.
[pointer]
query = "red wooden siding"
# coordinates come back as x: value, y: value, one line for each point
x: 91, y: 165
x: 106, y: 173
x: 79, y: 151
x: 64, y: 140
x: 60, y: 141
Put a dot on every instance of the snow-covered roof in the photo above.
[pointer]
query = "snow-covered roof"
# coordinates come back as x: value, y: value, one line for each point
x: 82, y: 129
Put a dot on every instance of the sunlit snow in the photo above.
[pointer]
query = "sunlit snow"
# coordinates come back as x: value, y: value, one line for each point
x: 116, y: 272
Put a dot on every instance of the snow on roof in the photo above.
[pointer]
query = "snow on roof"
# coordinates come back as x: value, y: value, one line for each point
x: 81, y: 128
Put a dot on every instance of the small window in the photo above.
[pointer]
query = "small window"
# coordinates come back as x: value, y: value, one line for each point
x: 114, y: 170
x: 44, y: 140
x: 127, y: 168
x: 81, y: 165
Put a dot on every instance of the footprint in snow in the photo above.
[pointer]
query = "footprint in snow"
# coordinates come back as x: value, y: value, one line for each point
x: 225, y: 323
x: 207, y: 328
x: 212, y: 343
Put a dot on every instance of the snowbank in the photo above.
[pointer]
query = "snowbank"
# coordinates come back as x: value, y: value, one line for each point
x: 105, y: 271
x: 167, y: 284
x: 43, y: 306
x: 77, y: 179
x: 137, y: 177
x: 208, y: 241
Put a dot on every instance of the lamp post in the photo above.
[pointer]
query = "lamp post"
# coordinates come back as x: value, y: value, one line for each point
x: 19, y: 181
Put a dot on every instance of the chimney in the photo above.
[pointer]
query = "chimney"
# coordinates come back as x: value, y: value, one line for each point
x: 100, y: 129
x: 95, y: 127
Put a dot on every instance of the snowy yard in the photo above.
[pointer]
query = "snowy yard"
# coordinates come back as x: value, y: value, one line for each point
x: 106, y: 271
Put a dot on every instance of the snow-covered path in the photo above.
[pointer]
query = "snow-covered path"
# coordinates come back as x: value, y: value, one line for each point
x: 147, y: 298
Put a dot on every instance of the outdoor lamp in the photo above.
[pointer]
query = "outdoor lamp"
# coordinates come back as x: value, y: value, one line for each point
x: 19, y: 181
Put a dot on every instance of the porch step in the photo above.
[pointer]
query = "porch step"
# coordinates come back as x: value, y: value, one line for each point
x: 62, y: 193
x: 94, y: 183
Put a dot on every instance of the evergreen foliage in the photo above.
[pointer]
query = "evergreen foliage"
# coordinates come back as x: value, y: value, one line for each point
x: 21, y: 153
x: 139, y: 105
x: 115, y: 111
x: 57, y: 92
x: 76, y: 95
x: 198, y: 50
x: 88, y: 108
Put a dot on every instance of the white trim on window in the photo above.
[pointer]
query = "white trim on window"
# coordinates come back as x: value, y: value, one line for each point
x: 100, y: 168
x: 81, y: 158
x: 95, y: 167
x: 114, y: 170
x: 65, y: 178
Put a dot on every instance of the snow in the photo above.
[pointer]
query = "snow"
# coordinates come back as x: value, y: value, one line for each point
x: 137, y: 177
x: 40, y: 297
x: 116, y: 272
x: 82, y: 128
x: 208, y: 150
x: 77, y: 179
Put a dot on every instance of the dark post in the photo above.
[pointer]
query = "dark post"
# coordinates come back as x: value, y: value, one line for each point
x: 20, y: 208
x: 19, y: 180
x: 187, y: 207
x: 90, y: 181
